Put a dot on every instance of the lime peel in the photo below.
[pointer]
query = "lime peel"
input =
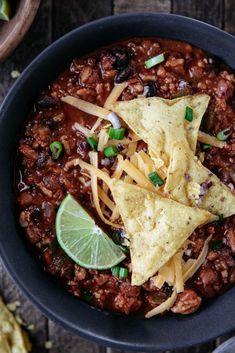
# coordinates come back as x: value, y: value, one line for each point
x: 82, y: 240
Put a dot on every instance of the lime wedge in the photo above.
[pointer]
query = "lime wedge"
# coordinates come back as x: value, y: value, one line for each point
x: 82, y: 240
x: 5, y: 10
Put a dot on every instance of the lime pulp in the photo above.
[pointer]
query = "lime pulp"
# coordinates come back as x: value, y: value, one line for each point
x: 82, y: 240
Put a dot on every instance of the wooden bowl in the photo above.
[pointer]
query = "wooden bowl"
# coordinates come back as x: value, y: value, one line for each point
x: 13, y: 31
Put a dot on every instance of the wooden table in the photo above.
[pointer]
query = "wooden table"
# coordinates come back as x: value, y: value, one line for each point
x: 55, y: 18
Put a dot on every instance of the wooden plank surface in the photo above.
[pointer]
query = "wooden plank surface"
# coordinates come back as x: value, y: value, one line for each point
x: 73, y: 13
x: 211, y: 11
x: 66, y: 342
x: 26, y: 311
x: 229, y: 16
x: 53, y: 20
x: 38, y: 37
x: 123, y: 6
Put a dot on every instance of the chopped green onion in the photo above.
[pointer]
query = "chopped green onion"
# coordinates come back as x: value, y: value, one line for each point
x: 92, y: 142
x: 56, y: 148
x: 148, y: 64
x: 117, y: 134
x: 115, y: 271
x: 223, y: 134
x: 87, y: 296
x: 221, y: 217
x: 123, y: 272
x: 155, y: 179
x: 206, y: 146
x: 217, y: 245
x: 188, y: 114
x: 110, y: 151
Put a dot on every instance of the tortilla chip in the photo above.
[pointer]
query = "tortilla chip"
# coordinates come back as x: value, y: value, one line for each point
x: 160, y: 121
x: 189, y: 182
x: 11, y: 332
x: 157, y: 227
x: 172, y: 139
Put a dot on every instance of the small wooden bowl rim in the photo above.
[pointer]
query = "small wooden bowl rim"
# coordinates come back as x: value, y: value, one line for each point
x: 12, y: 32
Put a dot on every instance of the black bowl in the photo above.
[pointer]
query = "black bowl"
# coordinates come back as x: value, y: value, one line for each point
x: 159, y: 333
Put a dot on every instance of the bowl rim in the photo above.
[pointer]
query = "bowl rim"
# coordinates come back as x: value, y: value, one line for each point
x: 45, y: 304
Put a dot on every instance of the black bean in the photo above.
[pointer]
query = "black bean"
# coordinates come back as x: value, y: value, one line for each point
x: 35, y: 214
x: 47, y: 102
x: 123, y: 75
x: 152, y: 88
x: 122, y: 58
x: 83, y: 146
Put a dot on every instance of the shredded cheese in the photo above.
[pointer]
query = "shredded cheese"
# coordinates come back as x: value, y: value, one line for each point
x: 91, y: 168
x: 103, y: 139
x: 188, y: 264
x: 199, y: 261
x: 86, y: 107
x: 96, y: 125
x: 125, y: 141
x: 171, y: 273
x: 210, y: 140
x: 118, y: 171
x: 146, y: 159
x: 105, y: 199
x: 131, y: 149
x: 86, y: 132
x: 114, y: 95
x: 94, y: 187
x: 134, y: 160
x: 115, y: 215
x: 168, y: 272
x: 165, y: 306
x: 144, y: 166
x: 158, y: 281
x: 179, y: 282
x: 128, y: 179
x: 136, y: 175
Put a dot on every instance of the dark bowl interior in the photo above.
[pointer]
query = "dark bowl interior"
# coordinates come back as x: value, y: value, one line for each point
x: 159, y: 333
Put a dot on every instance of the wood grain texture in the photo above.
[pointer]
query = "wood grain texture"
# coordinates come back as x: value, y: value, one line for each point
x: 38, y: 37
x: 13, y: 31
x: 26, y: 311
x: 123, y: 6
x: 211, y: 11
x: 73, y: 13
x: 66, y: 342
x: 229, y: 16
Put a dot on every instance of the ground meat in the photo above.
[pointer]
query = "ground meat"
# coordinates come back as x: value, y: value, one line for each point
x: 230, y: 234
x: 44, y: 183
x: 187, y: 302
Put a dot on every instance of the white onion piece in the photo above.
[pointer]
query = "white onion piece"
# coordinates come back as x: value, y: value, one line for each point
x: 114, y: 119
